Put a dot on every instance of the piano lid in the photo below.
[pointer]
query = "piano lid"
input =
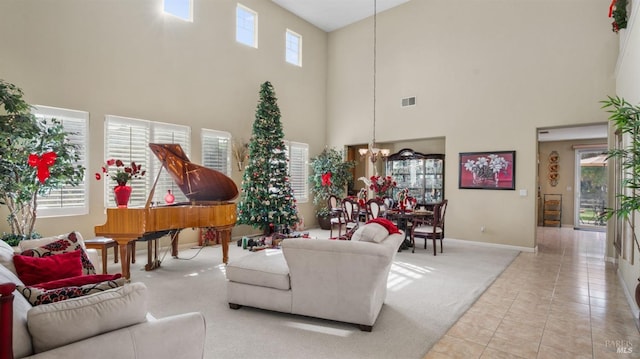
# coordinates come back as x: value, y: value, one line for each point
x: 198, y: 183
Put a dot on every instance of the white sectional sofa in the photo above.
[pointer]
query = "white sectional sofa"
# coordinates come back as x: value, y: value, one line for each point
x: 332, y: 279
x: 110, y: 324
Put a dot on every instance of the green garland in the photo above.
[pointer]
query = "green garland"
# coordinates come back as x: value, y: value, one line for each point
x: 619, y: 14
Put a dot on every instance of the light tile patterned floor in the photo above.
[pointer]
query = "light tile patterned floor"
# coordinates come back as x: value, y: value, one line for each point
x: 563, y: 302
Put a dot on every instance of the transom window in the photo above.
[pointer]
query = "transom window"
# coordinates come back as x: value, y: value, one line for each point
x: 246, y: 26
x: 128, y: 139
x: 182, y: 9
x: 68, y: 200
x: 293, y: 48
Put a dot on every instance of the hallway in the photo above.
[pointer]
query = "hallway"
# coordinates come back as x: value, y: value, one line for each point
x: 563, y: 302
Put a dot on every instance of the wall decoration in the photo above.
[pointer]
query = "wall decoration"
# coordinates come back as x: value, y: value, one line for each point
x: 487, y: 170
x: 554, y: 158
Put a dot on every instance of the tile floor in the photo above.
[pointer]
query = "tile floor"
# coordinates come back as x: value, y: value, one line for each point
x: 563, y: 302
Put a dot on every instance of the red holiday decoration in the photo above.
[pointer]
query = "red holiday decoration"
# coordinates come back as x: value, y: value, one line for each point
x: 43, y: 163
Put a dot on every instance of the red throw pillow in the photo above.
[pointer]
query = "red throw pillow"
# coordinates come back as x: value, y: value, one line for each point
x: 65, y: 245
x: 33, y: 270
x: 390, y: 226
x: 77, y: 281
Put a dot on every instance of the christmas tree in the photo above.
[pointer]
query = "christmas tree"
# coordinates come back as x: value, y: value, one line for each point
x: 267, y: 200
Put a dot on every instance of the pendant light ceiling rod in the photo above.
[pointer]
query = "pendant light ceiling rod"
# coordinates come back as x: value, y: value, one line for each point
x: 375, y: 28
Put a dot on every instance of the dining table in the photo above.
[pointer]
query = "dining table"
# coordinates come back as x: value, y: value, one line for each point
x: 404, y: 220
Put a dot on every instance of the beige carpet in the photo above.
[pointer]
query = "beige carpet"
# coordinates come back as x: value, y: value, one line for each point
x: 426, y: 295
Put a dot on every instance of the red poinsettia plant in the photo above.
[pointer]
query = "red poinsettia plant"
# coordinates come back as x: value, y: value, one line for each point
x: 123, y: 174
x: 381, y: 185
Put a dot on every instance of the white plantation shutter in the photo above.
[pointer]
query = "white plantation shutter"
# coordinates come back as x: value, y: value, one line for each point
x: 216, y: 150
x: 128, y: 139
x: 298, y: 154
x: 68, y: 200
x: 168, y: 133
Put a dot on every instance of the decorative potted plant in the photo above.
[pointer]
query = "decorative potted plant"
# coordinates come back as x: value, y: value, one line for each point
x: 35, y: 158
x: 331, y: 174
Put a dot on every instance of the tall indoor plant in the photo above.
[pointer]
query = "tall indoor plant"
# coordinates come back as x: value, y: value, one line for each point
x: 331, y: 174
x: 35, y: 158
x: 626, y: 121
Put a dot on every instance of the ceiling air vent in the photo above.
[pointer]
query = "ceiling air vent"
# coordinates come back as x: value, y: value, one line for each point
x: 409, y: 101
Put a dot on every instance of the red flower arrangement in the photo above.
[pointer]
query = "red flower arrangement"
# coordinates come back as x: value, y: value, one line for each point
x: 381, y: 185
x: 123, y: 173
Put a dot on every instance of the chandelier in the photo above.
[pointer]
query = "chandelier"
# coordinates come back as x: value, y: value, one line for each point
x: 372, y: 151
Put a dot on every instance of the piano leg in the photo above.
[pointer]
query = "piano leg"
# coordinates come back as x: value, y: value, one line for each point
x: 125, y: 259
x: 174, y: 244
x: 152, y: 250
x: 225, y: 237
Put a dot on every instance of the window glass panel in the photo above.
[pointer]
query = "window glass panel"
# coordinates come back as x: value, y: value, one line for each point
x: 216, y: 150
x: 293, y: 46
x: 246, y: 26
x: 179, y: 8
x: 68, y: 200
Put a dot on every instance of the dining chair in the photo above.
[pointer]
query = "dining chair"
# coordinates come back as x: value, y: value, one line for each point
x: 335, y: 212
x: 351, y: 212
x: 431, y: 227
x: 375, y: 208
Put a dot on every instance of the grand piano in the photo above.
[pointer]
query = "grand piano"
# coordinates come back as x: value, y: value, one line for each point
x: 209, y: 192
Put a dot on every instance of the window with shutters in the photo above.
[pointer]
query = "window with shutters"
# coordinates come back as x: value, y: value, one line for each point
x: 68, y: 200
x: 298, y: 155
x: 128, y: 139
x: 246, y: 26
x: 216, y: 150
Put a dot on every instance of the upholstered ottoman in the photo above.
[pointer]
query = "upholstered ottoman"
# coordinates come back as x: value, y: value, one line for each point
x: 261, y: 280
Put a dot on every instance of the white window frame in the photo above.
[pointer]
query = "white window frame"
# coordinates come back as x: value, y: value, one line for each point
x: 240, y: 26
x: 290, y: 51
x: 143, y: 132
x: 215, y: 153
x: 73, y: 121
x: 299, y: 179
x: 168, y: 8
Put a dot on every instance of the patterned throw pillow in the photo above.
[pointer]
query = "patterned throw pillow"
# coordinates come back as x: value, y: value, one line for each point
x: 64, y: 245
x: 37, y: 296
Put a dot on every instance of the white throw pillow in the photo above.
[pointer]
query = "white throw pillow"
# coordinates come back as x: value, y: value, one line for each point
x: 372, y: 232
x: 6, y: 256
x: 57, y: 324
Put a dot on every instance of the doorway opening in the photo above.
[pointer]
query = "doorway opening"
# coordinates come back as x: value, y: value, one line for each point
x: 591, y: 184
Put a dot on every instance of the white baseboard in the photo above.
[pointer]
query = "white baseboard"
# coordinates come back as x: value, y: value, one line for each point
x: 495, y: 245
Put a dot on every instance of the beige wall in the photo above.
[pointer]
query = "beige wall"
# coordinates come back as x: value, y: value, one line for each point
x: 126, y: 58
x: 566, y: 174
x: 485, y: 75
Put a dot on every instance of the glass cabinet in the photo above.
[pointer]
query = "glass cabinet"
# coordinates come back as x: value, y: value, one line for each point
x: 422, y: 174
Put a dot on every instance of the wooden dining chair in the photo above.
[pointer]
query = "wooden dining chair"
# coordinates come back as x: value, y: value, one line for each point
x: 375, y: 208
x: 351, y: 212
x: 430, y: 227
x: 336, y: 216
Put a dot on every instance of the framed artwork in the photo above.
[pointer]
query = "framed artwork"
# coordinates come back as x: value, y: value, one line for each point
x: 487, y: 170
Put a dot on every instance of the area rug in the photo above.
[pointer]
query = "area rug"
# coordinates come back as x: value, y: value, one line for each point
x: 426, y: 295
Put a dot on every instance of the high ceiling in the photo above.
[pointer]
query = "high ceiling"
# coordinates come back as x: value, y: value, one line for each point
x: 330, y: 15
